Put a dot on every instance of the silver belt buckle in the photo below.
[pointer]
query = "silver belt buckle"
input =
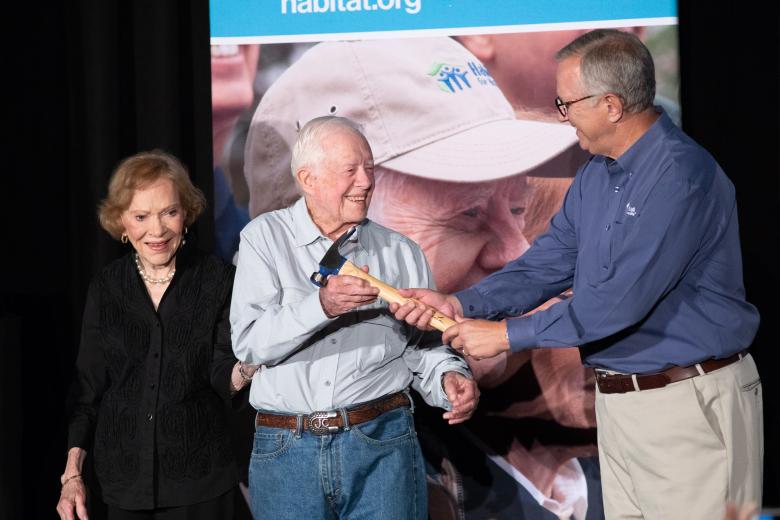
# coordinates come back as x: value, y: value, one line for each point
x: 318, y: 423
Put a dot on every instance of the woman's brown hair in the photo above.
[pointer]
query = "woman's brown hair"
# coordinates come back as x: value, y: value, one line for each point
x: 140, y: 170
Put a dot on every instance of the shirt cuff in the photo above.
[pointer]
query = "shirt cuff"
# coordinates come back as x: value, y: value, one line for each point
x: 521, y: 333
x: 471, y: 302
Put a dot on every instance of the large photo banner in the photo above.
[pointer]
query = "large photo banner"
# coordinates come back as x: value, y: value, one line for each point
x: 472, y: 161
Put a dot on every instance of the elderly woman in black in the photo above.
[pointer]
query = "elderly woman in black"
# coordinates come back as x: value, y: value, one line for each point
x: 155, y: 366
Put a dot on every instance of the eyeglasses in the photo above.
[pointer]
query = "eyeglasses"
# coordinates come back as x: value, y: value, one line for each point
x: 563, y: 106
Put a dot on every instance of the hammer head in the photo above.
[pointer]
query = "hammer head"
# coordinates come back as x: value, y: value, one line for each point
x: 331, y: 263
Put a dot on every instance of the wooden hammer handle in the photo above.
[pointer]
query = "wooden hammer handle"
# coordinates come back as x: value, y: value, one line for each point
x: 390, y: 294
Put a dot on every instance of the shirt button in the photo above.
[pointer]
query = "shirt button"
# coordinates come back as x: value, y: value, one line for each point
x: 156, y: 355
x: 157, y: 325
x: 617, y: 189
x: 471, y: 307
x: 150, y: 417
x: 604, y: 267
x: 327, y: 383
x: 608, y: 226
x: 333, y: 340
x: 152, y: 386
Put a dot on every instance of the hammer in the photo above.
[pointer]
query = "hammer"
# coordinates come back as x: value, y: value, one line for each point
x: 334, y: 263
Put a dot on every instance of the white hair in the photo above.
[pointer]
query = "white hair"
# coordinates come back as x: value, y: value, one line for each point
x: 307, y: 150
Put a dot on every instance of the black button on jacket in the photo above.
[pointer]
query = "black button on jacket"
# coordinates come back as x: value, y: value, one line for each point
x: 151, y: 386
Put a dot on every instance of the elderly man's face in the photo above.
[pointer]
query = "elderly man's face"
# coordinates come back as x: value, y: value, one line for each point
x: 467, y: 230
x: 338, y: 189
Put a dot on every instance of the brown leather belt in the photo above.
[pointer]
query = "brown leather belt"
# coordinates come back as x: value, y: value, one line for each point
x: 321, y: 423
x: 622, y: 383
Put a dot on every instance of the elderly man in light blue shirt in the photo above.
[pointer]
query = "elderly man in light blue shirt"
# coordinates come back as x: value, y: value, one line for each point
x: 334, y: 431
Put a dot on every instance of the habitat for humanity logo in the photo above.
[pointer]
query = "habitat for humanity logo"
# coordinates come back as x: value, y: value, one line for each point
x: 455, y: 78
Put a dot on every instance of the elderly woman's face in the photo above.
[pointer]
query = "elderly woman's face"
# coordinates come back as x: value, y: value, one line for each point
x: 154, y: 222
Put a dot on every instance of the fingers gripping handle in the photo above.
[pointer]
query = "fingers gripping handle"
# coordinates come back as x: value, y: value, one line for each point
x: 390, y: 294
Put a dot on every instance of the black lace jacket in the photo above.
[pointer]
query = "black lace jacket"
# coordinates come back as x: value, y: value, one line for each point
x: 151, y: 386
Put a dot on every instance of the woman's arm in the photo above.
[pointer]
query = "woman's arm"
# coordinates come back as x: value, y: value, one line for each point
x: 224, y: 362
x: 90, y: 379
x: 73, y: 495
x: 88, y: 388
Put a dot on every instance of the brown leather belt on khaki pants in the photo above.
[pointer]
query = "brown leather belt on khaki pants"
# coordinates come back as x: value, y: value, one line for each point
x: 622, y: 383
x: 333, y: 421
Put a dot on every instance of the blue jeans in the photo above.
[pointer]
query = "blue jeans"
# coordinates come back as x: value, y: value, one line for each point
x: 373, y: 470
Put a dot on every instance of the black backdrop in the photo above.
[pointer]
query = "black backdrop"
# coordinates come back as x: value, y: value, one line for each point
x: 89, y: 82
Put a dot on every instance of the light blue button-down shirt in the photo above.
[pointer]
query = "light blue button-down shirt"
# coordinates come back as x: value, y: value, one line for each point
x: 313, y: 362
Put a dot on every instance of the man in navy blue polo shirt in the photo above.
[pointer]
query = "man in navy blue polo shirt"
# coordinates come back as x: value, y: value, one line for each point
x: 648, y: 239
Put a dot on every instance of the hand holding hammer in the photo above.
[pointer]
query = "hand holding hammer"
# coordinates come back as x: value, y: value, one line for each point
x: 333, y: 263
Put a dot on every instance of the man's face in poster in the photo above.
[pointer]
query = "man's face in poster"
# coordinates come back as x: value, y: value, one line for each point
x: 467, y: 230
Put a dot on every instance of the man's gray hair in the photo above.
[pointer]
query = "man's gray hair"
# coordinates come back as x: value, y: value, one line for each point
x: 307, y: 150
x: 616, y: 62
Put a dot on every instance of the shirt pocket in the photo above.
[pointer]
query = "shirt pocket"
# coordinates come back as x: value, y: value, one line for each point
x: 623, y: 231
x: 378, y: 337
x: 619, y: 231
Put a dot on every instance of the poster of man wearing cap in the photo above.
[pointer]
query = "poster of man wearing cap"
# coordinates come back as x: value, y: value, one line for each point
x: 471, y: 166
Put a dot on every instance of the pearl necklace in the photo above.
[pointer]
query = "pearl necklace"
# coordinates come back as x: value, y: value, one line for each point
x: 167, y: 278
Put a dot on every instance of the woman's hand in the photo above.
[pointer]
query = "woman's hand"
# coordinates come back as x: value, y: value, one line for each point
x: 73, y: 495
x: 73, y: 500
x: 242, y: 375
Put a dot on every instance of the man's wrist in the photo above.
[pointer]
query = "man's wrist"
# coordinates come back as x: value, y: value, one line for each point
x: 456, y: 305
x: 322, y: 304
x: 444, y: 377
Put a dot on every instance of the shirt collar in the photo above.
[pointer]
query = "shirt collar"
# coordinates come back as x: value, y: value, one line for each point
x: 307, y: 232
x: 639, y: 151
x: 304, y: 228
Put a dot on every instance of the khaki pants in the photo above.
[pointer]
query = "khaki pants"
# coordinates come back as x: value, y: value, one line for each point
x: 684, y: 450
